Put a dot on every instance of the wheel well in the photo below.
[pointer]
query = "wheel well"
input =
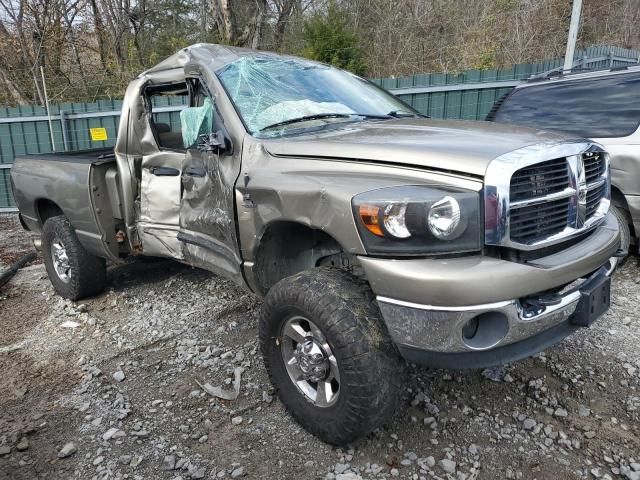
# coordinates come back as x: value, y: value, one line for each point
x: 287, y: 248
x: 618, y: 199
x: 47, y: 209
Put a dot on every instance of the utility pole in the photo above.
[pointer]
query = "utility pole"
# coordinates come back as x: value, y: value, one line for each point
x: 573, y: 35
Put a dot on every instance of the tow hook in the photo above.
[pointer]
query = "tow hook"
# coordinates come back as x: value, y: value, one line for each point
x: 621, y: 253
x: 532, y: 306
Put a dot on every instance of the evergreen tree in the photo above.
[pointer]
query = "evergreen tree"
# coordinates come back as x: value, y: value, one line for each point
x: 330, y: 39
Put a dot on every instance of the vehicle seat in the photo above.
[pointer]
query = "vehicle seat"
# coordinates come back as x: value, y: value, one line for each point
x: 168, y: 138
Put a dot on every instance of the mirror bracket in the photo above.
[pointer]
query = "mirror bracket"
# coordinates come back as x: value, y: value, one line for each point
x: 213, y: 142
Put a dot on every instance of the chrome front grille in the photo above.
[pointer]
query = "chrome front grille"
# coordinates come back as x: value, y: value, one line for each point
x: 594, y: 167
x: 537, y: 222
x: 532, y: 201
x: 541, y: 179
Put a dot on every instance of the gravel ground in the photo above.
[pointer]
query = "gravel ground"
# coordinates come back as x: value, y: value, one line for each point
x: 112, y: 387
x: 14, y: 241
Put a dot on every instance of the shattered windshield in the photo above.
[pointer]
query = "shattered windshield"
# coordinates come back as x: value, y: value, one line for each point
x: 276, y: 95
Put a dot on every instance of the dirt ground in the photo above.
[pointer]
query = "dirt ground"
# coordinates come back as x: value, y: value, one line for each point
x: 115, y: 383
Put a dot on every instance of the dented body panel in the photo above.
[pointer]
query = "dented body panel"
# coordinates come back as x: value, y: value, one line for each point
x: 316, y: 193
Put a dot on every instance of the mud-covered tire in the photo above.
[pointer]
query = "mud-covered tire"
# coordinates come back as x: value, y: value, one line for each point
x: 623, y: 218
x: 371, y: 369
x: 86, y: 272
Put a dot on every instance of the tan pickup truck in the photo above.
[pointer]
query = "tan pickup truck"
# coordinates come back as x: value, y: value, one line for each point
x: 376, y: 236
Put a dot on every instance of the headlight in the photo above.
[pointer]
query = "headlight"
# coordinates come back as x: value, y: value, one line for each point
x: 418, y: 220
x: 445, y: 221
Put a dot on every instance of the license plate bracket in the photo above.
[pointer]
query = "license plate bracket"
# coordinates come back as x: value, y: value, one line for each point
x: 595, y: 299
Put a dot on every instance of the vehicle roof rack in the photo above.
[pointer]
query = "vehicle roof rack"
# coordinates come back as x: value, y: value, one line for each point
x: 561, y: 73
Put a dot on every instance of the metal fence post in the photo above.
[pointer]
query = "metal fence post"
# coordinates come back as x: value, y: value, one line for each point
x: 46, y: 100
x: 65, y: 131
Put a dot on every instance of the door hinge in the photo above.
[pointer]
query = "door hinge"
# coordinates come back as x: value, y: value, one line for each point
x: 248, y: 201
x: 246, y: 197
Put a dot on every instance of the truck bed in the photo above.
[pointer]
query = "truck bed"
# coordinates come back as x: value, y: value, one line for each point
x: 80, y: 156
x: 60, y: 182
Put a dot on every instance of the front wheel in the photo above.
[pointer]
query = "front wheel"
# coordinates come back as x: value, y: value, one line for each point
x: 328, y: 354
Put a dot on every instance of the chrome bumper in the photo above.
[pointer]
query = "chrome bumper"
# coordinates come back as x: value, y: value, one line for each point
x: 442, y: 329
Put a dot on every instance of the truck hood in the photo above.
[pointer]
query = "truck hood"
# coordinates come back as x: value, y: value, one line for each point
x: 459, y: 146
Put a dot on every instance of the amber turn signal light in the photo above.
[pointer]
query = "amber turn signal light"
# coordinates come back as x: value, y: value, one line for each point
x: 370, y: 216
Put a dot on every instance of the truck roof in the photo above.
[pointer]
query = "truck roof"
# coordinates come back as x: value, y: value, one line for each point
x: 217, y: 55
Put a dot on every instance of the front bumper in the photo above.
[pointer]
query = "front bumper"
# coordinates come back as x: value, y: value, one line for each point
x: 427, y: 303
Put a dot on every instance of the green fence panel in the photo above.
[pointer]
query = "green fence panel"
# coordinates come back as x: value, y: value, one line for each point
x: 6, y: 195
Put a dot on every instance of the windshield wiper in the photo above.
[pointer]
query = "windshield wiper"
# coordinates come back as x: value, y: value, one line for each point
x: 406, y: 114
x: 319, y: 116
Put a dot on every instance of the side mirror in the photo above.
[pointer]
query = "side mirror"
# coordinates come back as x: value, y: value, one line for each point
x: 216, y: 142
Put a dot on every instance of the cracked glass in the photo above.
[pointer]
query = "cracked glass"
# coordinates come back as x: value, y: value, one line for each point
x: 269, y: 92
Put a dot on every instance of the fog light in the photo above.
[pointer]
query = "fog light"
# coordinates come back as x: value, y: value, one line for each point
x: 470, y: 328
x: 485, y: 331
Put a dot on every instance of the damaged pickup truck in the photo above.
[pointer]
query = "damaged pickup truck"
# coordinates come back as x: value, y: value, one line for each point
x: 375, y: 236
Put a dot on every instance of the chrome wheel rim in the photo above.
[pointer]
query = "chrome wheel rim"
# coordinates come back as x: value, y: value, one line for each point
x: 309, y: 361
x: 60, y: 260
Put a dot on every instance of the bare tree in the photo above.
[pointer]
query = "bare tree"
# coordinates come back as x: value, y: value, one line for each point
x: 284, y: 8
x: 90, y: 48
x: 239, y: 22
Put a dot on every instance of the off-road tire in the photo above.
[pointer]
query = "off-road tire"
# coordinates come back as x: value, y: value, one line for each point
x: 622, y: 216
x: 371, y: 369
x: 87, y: 272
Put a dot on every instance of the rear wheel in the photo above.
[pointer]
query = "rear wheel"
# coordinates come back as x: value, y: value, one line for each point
x: 74, y: 272
x: 328, y: 354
